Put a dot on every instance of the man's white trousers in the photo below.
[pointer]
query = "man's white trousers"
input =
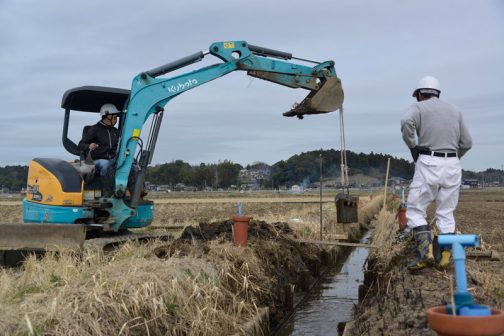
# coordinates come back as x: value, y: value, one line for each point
x: 436, y: 179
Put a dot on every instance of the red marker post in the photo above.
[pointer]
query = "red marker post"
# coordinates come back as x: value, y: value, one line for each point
x: 240, y: 228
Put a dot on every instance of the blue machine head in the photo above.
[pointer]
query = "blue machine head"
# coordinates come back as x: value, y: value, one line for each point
x: 463, y: 299
x: 465, y: 240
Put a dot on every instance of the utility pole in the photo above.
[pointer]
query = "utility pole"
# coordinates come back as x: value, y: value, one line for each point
x: 321, y: 227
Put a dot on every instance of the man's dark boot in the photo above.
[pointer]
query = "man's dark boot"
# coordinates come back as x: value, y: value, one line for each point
x: 423, y: 244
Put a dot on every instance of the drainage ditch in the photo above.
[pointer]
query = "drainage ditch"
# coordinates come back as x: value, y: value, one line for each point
x: 329, y: 304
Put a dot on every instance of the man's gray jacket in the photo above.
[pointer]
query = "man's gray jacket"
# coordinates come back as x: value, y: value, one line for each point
x: 438, y: 125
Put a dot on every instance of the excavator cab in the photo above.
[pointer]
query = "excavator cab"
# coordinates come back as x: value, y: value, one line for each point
x: 90, y: 99
x: 63, y: 192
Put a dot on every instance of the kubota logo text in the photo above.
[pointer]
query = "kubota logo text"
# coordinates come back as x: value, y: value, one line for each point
x: 182, y: 86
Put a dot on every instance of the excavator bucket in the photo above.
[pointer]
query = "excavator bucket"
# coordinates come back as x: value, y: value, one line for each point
x: 19, y: 240
x: 328, y: 98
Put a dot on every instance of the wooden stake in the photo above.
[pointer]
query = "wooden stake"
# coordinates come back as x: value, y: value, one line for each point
x: 454, y: 312
x: 386, y: 183
x: 321, y: 223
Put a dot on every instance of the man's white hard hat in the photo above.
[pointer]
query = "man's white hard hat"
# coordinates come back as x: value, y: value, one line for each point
x: 107, y: 109
x: 428, y: 84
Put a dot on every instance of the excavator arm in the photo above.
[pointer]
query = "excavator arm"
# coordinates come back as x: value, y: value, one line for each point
x: 150, y: 94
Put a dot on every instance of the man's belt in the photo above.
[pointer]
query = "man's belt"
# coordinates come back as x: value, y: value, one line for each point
x: 439, y: 154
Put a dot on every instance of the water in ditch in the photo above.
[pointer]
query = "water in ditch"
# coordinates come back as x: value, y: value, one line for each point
x: 331, y: 301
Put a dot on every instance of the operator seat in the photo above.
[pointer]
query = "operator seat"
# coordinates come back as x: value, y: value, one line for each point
x: 83, y: 166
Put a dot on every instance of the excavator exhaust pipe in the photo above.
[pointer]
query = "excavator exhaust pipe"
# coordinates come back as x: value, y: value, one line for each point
x: 328, y: 98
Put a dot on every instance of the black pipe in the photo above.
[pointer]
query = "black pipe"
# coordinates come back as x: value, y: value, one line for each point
x: 163, y: 69
x: 269, y: 52
x: 155, y: 132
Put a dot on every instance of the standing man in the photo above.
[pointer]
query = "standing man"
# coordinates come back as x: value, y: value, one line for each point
x: 101, y: 139
x: 437, y: 137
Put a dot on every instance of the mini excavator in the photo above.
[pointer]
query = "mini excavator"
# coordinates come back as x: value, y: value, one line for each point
x: 64, y: 200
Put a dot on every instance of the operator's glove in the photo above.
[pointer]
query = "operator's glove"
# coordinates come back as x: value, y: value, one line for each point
x: 415, y: 151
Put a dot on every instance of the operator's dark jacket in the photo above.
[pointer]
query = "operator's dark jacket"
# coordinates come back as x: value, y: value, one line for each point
x: 106, y: 137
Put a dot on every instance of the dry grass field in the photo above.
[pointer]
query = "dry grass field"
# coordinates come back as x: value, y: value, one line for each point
x: 213, y: 288
x: 301, y: 213
x: 203, y: 290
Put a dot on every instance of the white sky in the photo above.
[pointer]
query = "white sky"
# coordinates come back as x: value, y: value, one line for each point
x: 381, y: 50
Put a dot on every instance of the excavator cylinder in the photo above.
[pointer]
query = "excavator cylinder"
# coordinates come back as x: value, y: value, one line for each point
x: 261, y: 51
x: 172, y: 66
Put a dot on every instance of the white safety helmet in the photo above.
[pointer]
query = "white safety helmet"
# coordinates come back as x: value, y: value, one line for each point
x: 428, y: 84
x: 107, y: 109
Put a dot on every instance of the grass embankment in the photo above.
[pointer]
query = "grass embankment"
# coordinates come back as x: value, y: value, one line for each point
x: 396, y: 300
x: 133, y: 293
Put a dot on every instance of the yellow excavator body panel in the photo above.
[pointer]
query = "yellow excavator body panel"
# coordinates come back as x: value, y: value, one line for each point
x: 54, y: 182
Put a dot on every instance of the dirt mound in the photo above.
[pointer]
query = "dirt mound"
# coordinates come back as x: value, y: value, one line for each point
x: 256, y: 229
x: 273, y: 245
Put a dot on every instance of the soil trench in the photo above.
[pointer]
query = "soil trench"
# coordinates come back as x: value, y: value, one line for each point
x: 329, y: 304
x: 297, y: 269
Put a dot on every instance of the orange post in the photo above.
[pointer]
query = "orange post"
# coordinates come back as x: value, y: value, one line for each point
x: 402, y: 218
x: 240, y: 230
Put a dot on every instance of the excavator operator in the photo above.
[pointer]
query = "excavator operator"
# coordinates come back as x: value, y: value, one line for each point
x: 100, y: 141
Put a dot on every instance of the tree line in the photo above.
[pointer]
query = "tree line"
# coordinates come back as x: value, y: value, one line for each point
x: 216, y: 175
x: 13, y: 177
x: 306, y: 166
x: 295, y: 170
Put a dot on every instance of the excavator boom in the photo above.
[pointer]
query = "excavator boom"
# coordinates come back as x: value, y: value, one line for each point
x: 150, y: 94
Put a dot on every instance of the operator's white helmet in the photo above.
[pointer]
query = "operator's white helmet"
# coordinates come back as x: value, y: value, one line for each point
x: 428, y: 84
x: 107, y: 109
